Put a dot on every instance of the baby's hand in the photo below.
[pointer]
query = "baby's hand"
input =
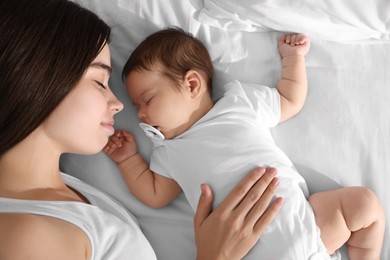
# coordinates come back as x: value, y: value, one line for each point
x: 294, y: 44
x: 120, y: 146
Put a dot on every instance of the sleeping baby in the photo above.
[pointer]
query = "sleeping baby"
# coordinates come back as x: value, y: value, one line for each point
x: 195, y: 140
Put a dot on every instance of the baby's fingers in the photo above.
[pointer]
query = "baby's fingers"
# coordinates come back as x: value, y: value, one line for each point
x: 109, y: 148
x: 293, y: 39
x: 301, y: 39
x: 109, y: 144
x: 287, y: 38
x: 282, y: 39
x: 106, y: 148
x: 128, y: 137
x: 117, y: 141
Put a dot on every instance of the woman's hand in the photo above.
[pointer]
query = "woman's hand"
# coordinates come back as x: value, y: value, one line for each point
x: 234, y: 227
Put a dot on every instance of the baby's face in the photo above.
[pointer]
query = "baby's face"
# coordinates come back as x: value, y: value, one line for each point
x: 160, y: 102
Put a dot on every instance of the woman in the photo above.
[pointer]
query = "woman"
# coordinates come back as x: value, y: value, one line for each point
x: 55, y: 99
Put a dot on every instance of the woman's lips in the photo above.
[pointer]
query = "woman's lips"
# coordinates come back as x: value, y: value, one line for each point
x: 109, y: 126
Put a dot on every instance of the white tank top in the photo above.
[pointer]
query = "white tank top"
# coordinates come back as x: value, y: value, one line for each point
x: 113, y: 232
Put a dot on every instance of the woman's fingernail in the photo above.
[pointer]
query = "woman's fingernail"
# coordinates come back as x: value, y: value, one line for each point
x: 275, y: 181
x: 260, y: 170
x: 279, y: 200
x: 273, y: 172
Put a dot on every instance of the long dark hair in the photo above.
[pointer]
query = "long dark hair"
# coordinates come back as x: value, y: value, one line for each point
x: 45, y: 47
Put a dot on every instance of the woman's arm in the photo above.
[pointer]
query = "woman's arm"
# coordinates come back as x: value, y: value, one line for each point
x: 234, y: 227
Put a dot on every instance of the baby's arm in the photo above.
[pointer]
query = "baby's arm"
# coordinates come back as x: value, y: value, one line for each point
x: 152, y: 189
x: 293, y: 83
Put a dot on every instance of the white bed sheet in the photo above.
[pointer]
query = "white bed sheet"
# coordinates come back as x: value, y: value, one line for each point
x: 340, y: 138
x: 334, y: 20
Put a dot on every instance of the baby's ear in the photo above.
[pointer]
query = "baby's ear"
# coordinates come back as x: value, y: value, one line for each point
x: 195, y: 83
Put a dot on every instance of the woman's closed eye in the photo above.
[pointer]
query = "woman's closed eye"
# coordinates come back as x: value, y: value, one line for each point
x: 101, y: 84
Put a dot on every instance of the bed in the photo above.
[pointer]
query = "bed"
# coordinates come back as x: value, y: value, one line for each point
x: 340, y: 138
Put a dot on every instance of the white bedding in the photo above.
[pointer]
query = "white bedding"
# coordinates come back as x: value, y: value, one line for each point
x: 333, y: 20
x: 340, y: 138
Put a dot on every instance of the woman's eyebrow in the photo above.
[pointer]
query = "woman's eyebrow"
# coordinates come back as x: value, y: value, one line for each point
x: 102, y: 66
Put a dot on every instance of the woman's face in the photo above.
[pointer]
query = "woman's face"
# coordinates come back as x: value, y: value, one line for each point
x: 84, y: 120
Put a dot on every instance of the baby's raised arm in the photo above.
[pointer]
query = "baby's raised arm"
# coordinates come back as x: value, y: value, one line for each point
x: 152, y: 189
x: 293, y: 83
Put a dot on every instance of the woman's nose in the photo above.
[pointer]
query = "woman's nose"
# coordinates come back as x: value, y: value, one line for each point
x: 115, y: 104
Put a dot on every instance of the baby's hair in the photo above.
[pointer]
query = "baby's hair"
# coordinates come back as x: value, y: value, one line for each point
x: 177, y: 51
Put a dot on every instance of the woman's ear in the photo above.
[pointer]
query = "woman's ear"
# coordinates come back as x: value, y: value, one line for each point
x: 195, y: 83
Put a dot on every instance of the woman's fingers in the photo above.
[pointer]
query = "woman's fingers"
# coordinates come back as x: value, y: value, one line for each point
x: 204, y: 205
x: 255, y: 195
x: 262, y: 202
x: 267, y: 217
x: 235, y: 197
x: 236, y: 224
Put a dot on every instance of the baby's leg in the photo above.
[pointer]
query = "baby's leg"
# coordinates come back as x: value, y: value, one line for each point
x: 353, y: 215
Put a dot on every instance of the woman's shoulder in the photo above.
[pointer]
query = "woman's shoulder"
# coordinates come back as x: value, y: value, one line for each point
x: 29, y: 236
